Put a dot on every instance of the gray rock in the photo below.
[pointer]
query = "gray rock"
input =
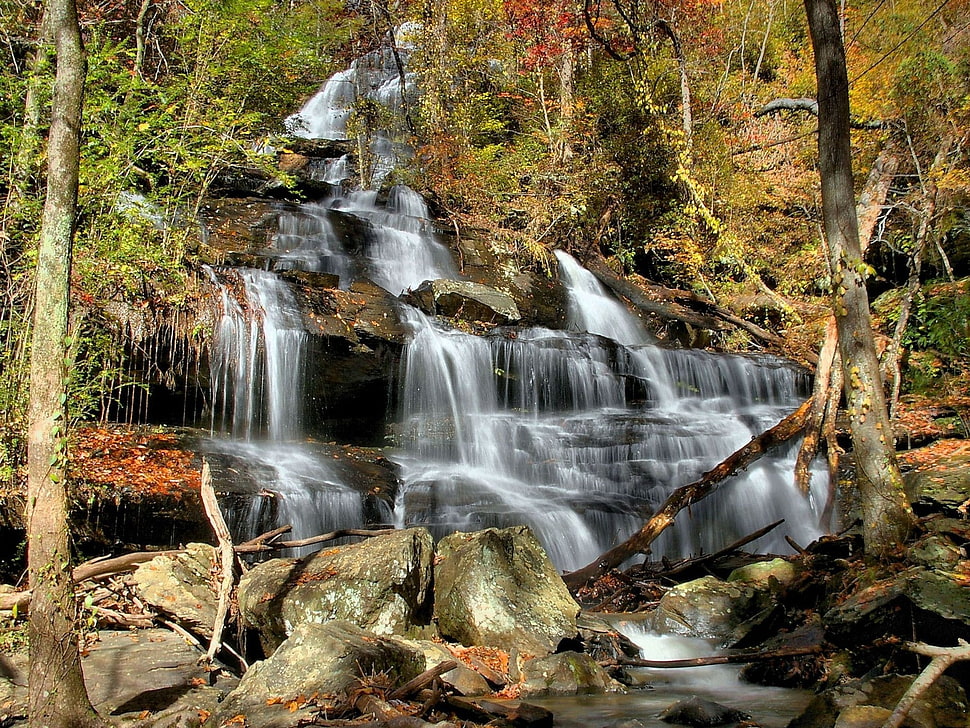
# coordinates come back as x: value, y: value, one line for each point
x: 699, y: 712
x: 323, y: 660
x: 714, y: 609
x: 943, y: 705
x: 565, y: 673
x: 465, y: 300
x: 150, y: 669
x: 463, y: 679
x: 498, y: 588
x: 182, y: 587
x: 381, y: 584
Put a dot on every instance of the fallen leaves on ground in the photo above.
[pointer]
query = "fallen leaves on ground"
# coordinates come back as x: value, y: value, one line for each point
x: 135, y: 462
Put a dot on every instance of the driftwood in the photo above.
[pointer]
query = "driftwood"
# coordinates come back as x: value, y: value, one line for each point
x: 942, y: 658
x: 422, y: 680
x: 730, y: 658
x: 523, y: 715
x: 227, y: 559
x: 101, y: 567
x: 689, y: 494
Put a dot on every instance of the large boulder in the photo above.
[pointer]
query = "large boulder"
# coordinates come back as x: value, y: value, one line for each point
x: 317, y: 663
x: 465, y: 300
x: 714, y: 609
x: 943, y: 705
x: 381, y: 584
x: 182, y: 587
x: 565, y: 673
x: 498, y: 588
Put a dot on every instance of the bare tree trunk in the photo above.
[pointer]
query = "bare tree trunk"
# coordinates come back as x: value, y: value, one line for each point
x: 887, y: 514
x: 872, y: 200
x: 57, y: 697
x: 687, y: 118
x: 567, y: 101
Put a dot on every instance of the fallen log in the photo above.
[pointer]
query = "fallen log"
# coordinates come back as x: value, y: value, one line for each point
x: 422, y: 680
x: 730, y: 658
x: 523, y: 715
x: 101, y: 567
x: 689, y: 494
x: 227, y: 560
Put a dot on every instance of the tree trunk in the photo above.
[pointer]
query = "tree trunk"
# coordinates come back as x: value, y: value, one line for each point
x: 57, y: 697
x: 887, y: 515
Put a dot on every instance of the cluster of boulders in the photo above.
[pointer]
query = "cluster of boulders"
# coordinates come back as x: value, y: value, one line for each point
x: 386, y: 610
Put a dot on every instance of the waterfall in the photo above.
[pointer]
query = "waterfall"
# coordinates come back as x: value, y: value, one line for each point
x: 593, y: 309
x: 257, y: 370
x: 580, y: 433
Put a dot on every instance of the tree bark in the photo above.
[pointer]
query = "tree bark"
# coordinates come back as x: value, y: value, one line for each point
x: 687, y: 495
x: 887, y: 514
x: 57, y: 697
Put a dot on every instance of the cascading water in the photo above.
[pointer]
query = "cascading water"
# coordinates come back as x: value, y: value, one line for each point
x: 582, y: 437
x: 257, y: 370
x: 580, y: 433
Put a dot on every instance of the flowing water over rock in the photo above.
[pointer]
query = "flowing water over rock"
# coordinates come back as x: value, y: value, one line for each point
x: 580, y: 432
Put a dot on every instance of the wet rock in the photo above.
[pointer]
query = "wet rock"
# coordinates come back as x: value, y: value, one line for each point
x: 565, y: 673
x: 699, y: 712
x: 324, y: 660
x: 182, y: 587
x: 864, y: 716
x: 943, y: 705
x: 944, y: 486
x: 381, y: 584
x: 918, y: 602
x: 713, y: 609
x: 498, y: 588
x: 464, y: 300
x: 774, y: 573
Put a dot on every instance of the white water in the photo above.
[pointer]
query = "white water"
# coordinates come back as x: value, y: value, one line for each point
x: 258, y: 367
x: 768, y: 707
x: 398, y: 249
x: 581, y: 439
x: 593, y: 309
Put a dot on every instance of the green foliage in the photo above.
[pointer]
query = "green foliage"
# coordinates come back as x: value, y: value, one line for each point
x: 941, y: 322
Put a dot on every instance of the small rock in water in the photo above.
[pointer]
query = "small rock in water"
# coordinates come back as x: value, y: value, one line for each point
x: 699, y: 712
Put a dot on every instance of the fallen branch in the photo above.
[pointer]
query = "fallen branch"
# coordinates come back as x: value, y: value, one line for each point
x: 249, y: 547
x: 810, y: 106
x: 942, y: 658
x: 102, y: 567
x: 731, y: 658
x: 689, y: 563
x: 227, y: 559
x: 689, y: 494
x: 422, y: 680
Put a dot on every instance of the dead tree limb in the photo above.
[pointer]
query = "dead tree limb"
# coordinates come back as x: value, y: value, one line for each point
x: 731, y: 658
x: 810, y: 106
x: 251, y: 547
x: 227, y: 559
x: 689, y: 494
x: 683, y: 565
x: 942, y: 658
x: 816, y: 415
x: 423, y: 680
